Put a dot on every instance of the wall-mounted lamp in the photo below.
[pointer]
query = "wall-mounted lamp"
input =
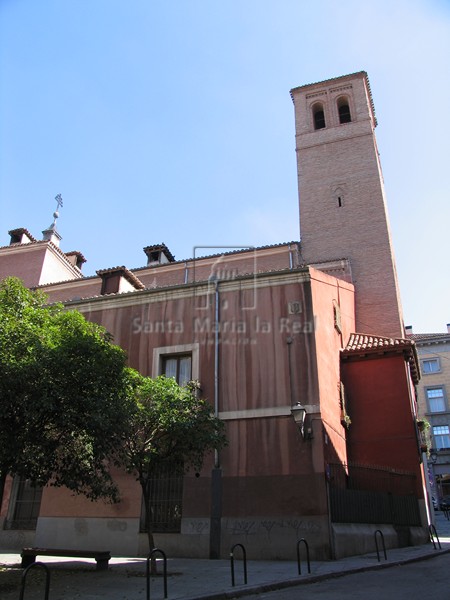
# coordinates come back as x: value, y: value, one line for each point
x: 433, y: 457
x: 299, y: 413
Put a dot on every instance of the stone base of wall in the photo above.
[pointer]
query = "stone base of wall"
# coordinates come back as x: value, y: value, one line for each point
x: 264, y: 538
x: 119, y: 536
x: 13, y: 540
x: 351, y: 539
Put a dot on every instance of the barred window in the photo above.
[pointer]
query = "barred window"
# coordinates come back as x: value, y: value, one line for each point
x: 24, y: 505
x: 166, y: 498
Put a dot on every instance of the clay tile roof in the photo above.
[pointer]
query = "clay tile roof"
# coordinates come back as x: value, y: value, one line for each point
x: 161, y: 247
x: 362, y: 345
x: 430, y: 337
x: 129, y: 276
x: 20, y: 230
x: 362, y: 341
x: 76, y: 253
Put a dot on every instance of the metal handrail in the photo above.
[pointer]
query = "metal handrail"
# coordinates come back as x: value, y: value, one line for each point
x: 244, y: 555
x: 149, y: 557
x: 47, y: 579
x: 376, y: 544
x: 307, y: 556
x: 433, y: 532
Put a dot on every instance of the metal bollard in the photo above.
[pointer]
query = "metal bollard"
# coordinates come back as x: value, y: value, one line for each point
x: 433, y: 533
x: 307, y: 555
x: 47, y: 579
x: 149, y: 557
x: 376, y: 544
x: 244, y: 554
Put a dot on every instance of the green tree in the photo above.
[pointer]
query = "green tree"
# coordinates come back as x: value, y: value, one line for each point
x: 170, y: 426
x: 64, y: 390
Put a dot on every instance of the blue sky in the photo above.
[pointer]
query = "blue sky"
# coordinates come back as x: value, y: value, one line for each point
x: 171, y: 121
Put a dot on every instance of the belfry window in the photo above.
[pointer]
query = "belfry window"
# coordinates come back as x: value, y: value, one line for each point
x: 318, y: 116
x: 344, y: 111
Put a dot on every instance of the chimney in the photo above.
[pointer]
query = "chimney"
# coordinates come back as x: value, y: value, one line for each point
x: 118, y: 280
x: 20, y: 236
x: 76, y: 259
x: 158, y: 255
x: 408, y: 329
x: 448, y: 327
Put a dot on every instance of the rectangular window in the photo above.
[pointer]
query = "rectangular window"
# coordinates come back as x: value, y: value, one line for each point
x: 436, y: 401
x: 441, y: 436
x: 24, y: 505
x: 430, y: 365
x: 179, y: 367
x: 166, y: 497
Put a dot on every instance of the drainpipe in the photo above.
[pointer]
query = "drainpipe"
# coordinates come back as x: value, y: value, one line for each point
x: 215, y: 532
x: 216, y: 350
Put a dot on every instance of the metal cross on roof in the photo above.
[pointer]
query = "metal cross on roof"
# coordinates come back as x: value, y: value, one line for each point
x: 59, y: 201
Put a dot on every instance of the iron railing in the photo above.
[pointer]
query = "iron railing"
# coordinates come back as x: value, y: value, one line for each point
x: 364, y: 494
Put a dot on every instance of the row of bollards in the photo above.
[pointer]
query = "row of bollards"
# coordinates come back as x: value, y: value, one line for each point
x: 156, y: 551
x: 244, y: 559
x: 378, y: 535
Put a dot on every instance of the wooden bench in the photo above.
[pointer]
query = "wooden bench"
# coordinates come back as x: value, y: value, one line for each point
x: 102, y: 557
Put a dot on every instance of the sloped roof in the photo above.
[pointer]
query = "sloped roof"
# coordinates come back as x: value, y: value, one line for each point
x: 20, y: 230
x: 363, y: 345
x: 421, y: 338
x: 129, y: 276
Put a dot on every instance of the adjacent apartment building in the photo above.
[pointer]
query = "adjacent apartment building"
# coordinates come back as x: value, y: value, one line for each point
x: 299, y: 347
x: 434, y: 407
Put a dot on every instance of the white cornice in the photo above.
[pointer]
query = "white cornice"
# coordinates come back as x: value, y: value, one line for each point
x: 189, y: 290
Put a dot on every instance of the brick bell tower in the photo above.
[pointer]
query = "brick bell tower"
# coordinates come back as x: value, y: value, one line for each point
x: 343, y: 211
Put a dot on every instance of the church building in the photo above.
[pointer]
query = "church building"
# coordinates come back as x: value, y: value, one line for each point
x: 300, y: 349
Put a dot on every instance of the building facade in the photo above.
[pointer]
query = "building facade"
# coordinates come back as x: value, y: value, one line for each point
x: 434, y: 405
x: 265, y: 331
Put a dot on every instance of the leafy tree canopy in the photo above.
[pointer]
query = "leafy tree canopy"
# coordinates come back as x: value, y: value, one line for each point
x: 63, y: 394
x: 170, y: 426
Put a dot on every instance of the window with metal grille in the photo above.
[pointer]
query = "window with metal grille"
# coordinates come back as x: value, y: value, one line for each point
x: 166, y: 498
x: 24, y: 506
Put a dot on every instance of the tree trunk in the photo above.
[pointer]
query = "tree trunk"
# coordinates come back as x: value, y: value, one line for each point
x: 2, y: 487
x: 149, y: 523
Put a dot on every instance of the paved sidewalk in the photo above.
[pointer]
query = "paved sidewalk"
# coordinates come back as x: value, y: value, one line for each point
x: 190, y: 579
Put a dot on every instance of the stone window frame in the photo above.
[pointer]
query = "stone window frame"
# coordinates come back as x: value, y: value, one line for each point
x: 179, y: 349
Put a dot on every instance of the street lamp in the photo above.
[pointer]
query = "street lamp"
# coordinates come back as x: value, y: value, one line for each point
x: 298, y: 411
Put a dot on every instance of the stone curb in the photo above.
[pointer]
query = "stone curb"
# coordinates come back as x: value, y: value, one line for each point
x: 272, y: 586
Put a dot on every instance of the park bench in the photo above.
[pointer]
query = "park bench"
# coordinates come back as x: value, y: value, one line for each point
x: 102, y: 557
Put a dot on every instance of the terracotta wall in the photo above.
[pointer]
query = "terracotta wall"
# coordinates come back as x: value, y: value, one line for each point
x: 383, y: 430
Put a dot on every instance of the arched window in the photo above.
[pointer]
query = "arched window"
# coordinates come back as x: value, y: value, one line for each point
x: 318, y: 116
x: 344, y: 110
